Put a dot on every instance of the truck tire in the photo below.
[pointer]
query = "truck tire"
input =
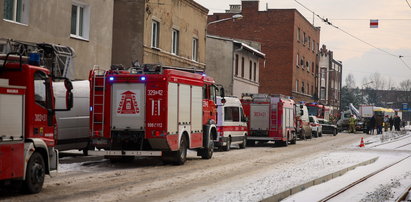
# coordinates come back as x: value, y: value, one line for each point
x: 244, y: 144
x: 35, y: 173
x: 207, y: 153
x: 180, y: 156
x: 228, y: 145
x: 335, y: 132
x: 320, y: 134
x: 294, y: 140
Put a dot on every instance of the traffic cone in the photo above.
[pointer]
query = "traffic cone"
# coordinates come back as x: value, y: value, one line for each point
x: 362, y: 142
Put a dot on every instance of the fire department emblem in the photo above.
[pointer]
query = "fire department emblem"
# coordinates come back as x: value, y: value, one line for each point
x: 128, y: 104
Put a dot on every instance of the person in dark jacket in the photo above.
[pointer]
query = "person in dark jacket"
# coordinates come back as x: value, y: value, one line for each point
x: 391, y: 121
x: 371, y: 125
x: 379, y: 120
x: 397, y: 121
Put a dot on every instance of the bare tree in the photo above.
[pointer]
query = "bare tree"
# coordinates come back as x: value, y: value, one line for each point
x: 378, y: 82
x: 350, y: 81
x: 390, y: 84
x: 405, y: 85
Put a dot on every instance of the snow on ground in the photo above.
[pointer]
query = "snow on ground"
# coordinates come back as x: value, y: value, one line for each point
x: 386, y: 186
x: 291, y: 173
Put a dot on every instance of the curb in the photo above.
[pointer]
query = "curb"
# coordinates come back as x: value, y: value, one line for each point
x: 282, y: 195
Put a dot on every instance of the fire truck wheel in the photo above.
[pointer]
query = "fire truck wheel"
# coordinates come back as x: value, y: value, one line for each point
x: 244, y: 144
x: 34, y: 174
x: 180, y: 156
x: 320, y: 134
x: 294, y: 140
x: 228, y: 145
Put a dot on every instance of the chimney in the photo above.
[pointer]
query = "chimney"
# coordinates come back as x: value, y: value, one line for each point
x: 249, y: 6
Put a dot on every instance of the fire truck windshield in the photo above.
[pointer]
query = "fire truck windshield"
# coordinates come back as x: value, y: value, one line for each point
x: 312, y: 111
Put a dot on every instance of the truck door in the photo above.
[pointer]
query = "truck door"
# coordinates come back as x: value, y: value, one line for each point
x: 259, y: 117
x: 44, y: 121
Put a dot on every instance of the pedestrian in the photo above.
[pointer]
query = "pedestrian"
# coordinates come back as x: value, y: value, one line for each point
x: 391, y: 121
x: 351, y: 123
x: 386, y: 123
x: 397, y: 121
x: 378, y: 122
x: 371, y: 125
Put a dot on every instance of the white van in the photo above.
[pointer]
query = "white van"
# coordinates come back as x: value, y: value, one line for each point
x: 231, y: 124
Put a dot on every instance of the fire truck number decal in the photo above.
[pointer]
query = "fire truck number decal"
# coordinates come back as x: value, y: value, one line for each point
x: 128, y: 104
x: 40, y: 117
x: 155, y: 92
x: 259, y: 114
x: 155, y: 125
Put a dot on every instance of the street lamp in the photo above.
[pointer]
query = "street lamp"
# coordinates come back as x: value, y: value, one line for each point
x: 234, y: 17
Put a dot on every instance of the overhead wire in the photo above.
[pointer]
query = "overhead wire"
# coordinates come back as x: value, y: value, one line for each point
x: 408, y: 3
x: 326, y: 21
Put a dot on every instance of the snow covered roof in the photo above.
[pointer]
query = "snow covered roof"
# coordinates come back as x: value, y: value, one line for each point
x: 243, y: 45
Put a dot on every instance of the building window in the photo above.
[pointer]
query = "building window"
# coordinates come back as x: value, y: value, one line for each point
x: 302, y: 62
x: 309, y: 42
x: 298, y: 60
x: 308, y: 88
x: 80, y: 21
x: 175, y: 38
x: 307, y: 64
x: 312, y: 67
x: 251, y: 70
x: 155, y: 34
x: 255, y: 71
x: 16, y: 10
x: 242, y: 67
x: 312, y: 89
x: 322, y: 94
x: 304, y: 39
x: 236, y: 65
x: 302, y: 87
x: 313, y: 45
x: 296, y: 85
x: 298, y: 34
x: 195, y: 50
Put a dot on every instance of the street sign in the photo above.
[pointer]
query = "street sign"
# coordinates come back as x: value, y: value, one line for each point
x: 405, y: 106
x: 373, y: 23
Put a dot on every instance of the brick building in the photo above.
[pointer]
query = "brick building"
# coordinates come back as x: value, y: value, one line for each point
x: 329, y: 80
x: 289, y: 41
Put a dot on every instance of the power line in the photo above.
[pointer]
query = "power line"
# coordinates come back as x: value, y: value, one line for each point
x: 408, y: 3
x: 380, y: 19
x: 326, y: 21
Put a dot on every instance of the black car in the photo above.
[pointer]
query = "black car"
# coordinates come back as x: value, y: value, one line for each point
x: 328, y: 127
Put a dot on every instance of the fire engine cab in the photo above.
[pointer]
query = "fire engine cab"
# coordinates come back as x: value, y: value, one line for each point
x: 27, y: 121
x: 152, y: 111
x: 271, y: 118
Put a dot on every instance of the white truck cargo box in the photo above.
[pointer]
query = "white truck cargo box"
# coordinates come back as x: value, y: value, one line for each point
x: 11, y: 117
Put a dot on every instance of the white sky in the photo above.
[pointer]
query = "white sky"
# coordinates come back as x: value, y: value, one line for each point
x: 393, y: 34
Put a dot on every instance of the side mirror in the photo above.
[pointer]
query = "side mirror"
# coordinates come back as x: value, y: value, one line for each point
x: 69, y: 100
x: 68, y: 84
x: 222, y: 93
x: 223, y: 101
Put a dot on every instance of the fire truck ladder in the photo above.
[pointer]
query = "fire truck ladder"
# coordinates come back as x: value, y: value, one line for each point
x: 98, y: 96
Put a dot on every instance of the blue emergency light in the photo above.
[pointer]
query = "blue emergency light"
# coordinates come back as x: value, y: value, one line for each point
x: 111, y: 78
x: 143, y: 78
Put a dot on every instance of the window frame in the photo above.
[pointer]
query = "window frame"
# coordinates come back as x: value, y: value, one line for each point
x: 194, y: 49
x: 175, y: 40
x: 236, y: 65
x: 255, y: 71
x: 242, y: 67
x: 251, y: 70
x: 82, y: 21
x: 20, y: 11
x: 155, y: 33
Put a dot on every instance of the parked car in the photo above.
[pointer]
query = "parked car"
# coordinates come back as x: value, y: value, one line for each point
x: 231, y: 124
x: 316, y: 127
x: 328, y: 127
x: 303, y: 123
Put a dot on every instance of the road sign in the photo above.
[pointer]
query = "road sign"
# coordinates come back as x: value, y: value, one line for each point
x: 404, y: 106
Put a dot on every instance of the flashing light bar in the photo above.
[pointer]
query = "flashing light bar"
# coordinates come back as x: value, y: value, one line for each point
x: 111, y: 78
x: 143, y: 78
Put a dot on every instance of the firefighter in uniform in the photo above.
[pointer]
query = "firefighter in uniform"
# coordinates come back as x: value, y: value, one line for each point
x: 351, y: 123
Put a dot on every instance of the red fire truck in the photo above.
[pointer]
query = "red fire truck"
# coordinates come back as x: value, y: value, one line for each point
x: 271, y: 118
x: 27, y: 121
x: 320, y: 111
x: 152, y: 111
